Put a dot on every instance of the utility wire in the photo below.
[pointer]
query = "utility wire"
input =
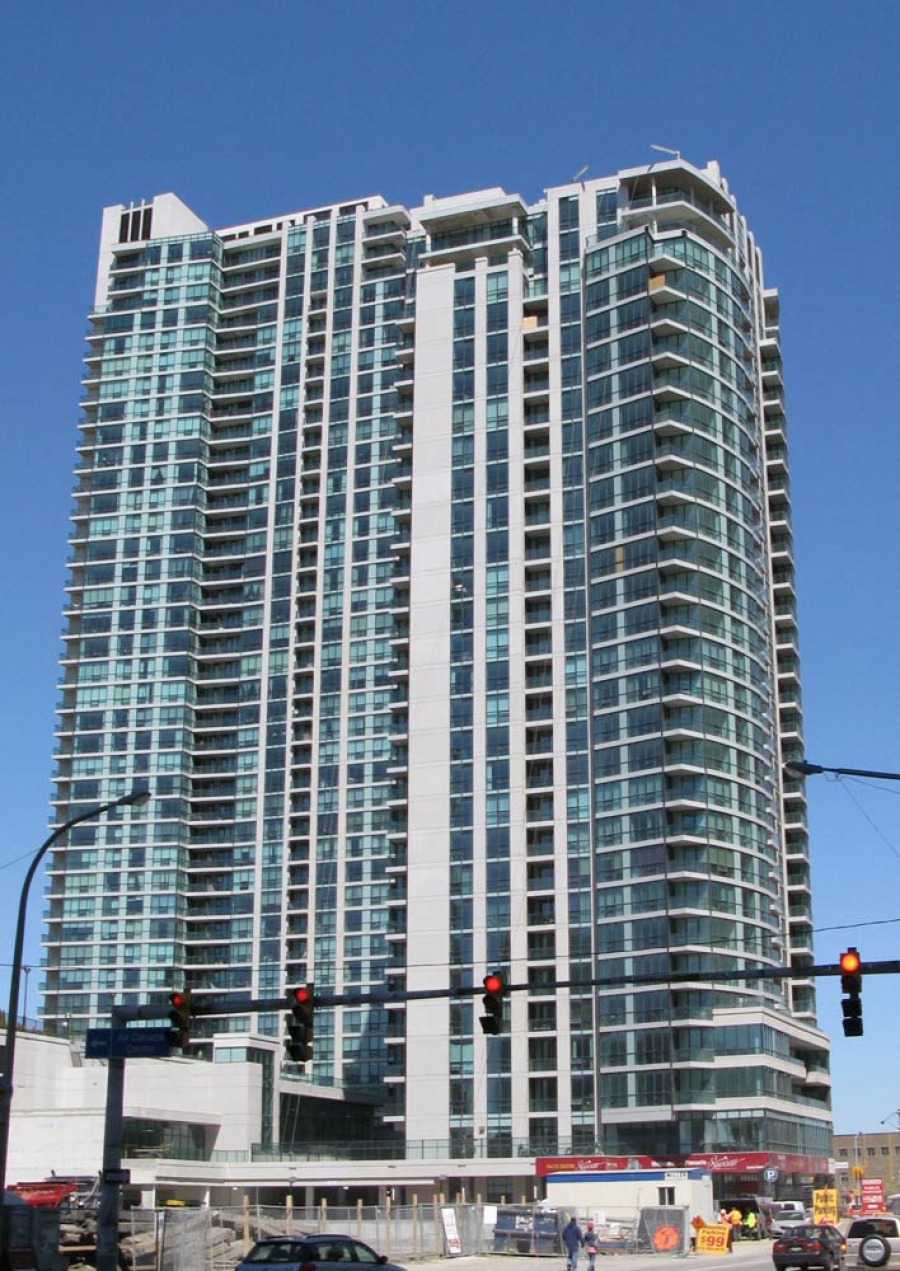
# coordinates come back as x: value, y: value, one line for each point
x: 850, y: 795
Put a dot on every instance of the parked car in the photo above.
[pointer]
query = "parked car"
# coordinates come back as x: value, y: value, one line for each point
x: 320, y: 1252
x: 874, y: 1242
x: 810, y: 1245
x: 788, y: 1212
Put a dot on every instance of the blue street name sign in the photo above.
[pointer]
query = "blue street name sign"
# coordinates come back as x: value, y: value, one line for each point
x: 96, y: 1043
x: 126, y: 1043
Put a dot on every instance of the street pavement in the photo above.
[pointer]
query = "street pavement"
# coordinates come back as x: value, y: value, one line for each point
x: 748, y: 1255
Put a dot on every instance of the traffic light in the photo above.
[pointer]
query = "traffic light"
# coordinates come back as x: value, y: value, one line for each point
x: 851, y: 985
x: 299, y: 1024
x: 492, y: 1020
x: 179, y: 1035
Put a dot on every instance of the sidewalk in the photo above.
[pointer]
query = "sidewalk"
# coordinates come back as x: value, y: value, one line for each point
x: 744, y: 1251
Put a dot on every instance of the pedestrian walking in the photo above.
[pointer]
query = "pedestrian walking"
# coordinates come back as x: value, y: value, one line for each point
x: 590, y: 1244
x: 573, y: 1240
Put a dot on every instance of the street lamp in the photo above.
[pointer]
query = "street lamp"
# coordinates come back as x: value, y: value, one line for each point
x: 6, y: 1082
x: 802, y: 768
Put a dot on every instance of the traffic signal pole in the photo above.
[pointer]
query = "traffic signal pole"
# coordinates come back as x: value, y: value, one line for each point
x: 110, y: 1191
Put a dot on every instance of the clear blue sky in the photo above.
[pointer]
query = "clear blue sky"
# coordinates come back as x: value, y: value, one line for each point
x: 244, y: 110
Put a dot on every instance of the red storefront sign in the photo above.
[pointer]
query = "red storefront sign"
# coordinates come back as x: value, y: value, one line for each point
x: 871, y: 1195
x: 715, y: 1162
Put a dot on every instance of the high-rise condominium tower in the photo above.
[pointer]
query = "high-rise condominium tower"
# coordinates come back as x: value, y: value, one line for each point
x: 433, y: 567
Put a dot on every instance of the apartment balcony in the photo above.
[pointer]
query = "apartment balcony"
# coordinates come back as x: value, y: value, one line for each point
x: 668, y: 388
x: 663, y: 292
x: 398, y: 761
x: 667, y: 322
x: 785, y: 613
x: 403, y: 442
x: 704, y: 213
x: 782, y: 548
x: 672, y: 454
x: 669, y: 354
x: 386, y: 224
x: 399, y: 666
x: 537, y: 476
x: 537, y: 547
x: 783, y: 582
x: 538, y: 676
x: 779, y: 495
x: 535, y: 387
x: 538, y: 612
x: 773, y: 404
x: 400, y: 630
x: 536, y: 350
x: 537, y: 414
x: 386, y: 252
x: 539, y: 708
x: 402, y: 506
x: 776, y: 460
x: 464, y: 245
x: 537, y: 445
x: 776, y: 429
x: 663, y: 259
x: 538, y: 579
x: 538, y: 644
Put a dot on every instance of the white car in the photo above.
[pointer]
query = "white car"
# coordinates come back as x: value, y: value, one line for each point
x: 875, y: 1242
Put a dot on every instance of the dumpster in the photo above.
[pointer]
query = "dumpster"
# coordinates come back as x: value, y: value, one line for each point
x: 527, y: 1229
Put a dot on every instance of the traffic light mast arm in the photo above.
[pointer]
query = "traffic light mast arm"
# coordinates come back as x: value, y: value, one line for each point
x: 241, y: 1006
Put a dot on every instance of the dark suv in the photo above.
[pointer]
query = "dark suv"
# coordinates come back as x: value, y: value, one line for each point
x: 809, y: 1245
x: 314, y: 1253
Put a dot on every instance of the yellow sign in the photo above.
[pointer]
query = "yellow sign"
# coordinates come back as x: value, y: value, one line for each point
x: 825, y: 1205
x: 714, y: 1239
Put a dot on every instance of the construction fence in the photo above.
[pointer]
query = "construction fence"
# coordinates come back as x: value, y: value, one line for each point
x: 216, y: 1239
x: 184, y: 1238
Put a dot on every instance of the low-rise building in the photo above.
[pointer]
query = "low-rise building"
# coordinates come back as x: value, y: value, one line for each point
x: 870, y: 1155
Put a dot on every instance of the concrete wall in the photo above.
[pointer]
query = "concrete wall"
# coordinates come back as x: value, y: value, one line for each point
x: 60, y: 1099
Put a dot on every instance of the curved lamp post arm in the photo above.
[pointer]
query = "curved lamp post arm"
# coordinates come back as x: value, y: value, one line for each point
x: 802, y: 768
x: 6, y: 1081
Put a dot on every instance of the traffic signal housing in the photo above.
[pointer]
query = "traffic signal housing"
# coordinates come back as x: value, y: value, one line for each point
x: 492, y: 1020
x: 179, y: 1035
x: 299, y: 1024
x: 851, y: 985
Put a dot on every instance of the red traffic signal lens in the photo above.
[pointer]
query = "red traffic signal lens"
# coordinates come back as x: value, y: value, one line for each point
x: 177, y: 999
x: 302, y: 995
x: 850, y: 961
x: 493, y: 983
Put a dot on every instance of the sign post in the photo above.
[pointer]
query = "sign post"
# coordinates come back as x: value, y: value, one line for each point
x: 714, y: 1238
x: 825, y: 1206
